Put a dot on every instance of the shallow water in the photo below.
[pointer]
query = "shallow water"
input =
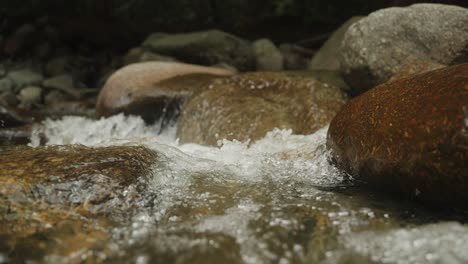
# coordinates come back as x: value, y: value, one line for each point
x: 277, y: 200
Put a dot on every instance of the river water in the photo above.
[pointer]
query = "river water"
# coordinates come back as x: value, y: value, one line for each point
x: 276, y: 200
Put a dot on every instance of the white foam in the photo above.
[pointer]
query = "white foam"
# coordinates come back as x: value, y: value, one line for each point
x: 280, y: 162
x: 89, y: 132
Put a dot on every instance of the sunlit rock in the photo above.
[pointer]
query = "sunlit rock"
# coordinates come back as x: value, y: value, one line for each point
x: 409, y: 135
x: 152, y: 89
x: 247, y: 106
x: 375, y: 47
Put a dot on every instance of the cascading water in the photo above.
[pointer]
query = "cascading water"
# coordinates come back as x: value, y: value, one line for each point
x: 276, y: 200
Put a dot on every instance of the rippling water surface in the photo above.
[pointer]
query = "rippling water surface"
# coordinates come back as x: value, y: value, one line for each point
x: 276, y: 200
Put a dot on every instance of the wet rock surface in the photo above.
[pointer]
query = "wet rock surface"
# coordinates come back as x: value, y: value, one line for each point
x: 190, y: 204
x: 247, y: 106
x: 53, y: 199
x: 152, y: 88
x: 377, y: 46
x: 75, y: 175
x: 409, y: 135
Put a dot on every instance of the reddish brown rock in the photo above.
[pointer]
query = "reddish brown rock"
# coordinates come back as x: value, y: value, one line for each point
x: 409, y: 135
x: 151, y: 86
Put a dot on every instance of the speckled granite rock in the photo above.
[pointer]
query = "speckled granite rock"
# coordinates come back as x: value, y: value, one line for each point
x: 377, y: 46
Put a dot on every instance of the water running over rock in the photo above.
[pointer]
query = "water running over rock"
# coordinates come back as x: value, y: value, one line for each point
x: 274, y: 201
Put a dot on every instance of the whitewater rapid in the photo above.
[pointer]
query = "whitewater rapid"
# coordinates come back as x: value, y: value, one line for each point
x: 253, y: 192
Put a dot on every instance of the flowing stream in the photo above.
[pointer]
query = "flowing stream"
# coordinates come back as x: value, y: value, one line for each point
x: 276, y: 200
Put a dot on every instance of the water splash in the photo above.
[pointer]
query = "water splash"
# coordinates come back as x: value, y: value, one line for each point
x: 258, y: 202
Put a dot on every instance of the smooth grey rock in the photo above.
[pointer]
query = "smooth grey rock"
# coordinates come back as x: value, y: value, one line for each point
x: 295, y: 57
x: 30, y: 95
x: 6, y: 85
x: 377, y: 46
x: 8, y: 98
x: 328, y: 56
x: 3, y: 70
x: 205, y: 48
x: 153, y: 37
x: 132, y: 56
x: 226, y: 66
x: 55, y: 96
x: 151, y: 56
x: 139, y: 54
x: 267, y: 56
x: 22, y: 78
x: 63, y: 83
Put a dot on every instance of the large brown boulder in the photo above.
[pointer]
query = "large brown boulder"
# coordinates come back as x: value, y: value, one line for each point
x: 148, y: 88
x: 63, y: 200
x: 247, y: 106
x: 409, y: 135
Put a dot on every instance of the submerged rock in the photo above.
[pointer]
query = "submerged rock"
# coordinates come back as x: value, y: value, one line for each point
x: 377, y: 46
x: 150, y: 89
x: 205, y: 48
x: 247, y: 106
x: 409, y: 136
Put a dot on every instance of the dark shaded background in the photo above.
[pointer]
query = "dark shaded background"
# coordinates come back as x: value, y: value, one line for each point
x: 120, y: 24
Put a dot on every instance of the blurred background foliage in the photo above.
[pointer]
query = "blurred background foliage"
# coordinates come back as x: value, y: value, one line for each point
x: 127, y: 20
